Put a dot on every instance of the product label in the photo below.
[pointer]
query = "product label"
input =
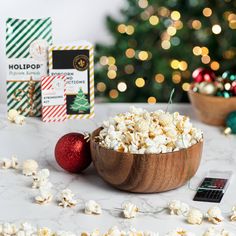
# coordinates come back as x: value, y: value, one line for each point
x: 81, y: 62
x: 74, y: 80
x: 74, y: 64
x: 23, y: 69
x: 27, y: 42
x: 55, y: 95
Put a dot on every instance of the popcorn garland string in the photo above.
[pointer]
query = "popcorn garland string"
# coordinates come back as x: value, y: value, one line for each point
x: 170, y: 99
x: 26, y: 229
x: 128, y: 209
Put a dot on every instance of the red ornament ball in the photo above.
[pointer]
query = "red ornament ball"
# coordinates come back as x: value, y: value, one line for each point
x: 203, y: 75
x: 72, y: 152
x: 233, y: 88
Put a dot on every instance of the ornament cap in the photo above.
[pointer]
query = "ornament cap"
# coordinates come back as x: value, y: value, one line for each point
x: 227, y: 131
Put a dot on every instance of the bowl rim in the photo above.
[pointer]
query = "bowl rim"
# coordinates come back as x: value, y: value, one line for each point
x: 210, y: 96
x: 142, y: 154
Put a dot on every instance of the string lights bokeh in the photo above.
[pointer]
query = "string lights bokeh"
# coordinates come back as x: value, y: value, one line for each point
x: 154, y: 20
x: 139, y: 82
x: 159, y: 78
x: 129, y: 68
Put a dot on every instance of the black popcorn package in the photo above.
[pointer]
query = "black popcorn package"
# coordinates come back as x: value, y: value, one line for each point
x: 75, y: 61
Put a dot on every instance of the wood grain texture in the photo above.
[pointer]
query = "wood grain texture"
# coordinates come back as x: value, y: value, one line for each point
x: 145, y: 173
x: 210, y: 109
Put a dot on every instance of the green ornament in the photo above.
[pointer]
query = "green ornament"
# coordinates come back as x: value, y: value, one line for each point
x: 229, y: 75
x: 219, y: 94
x: 226, y: 94
x: 226, y: 74
x: 231, y: 123
x: 232, y: 77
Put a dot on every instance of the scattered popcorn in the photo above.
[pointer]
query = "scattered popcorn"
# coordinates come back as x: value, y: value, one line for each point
x: 64, y: 233
x: 19, y: 120
x: 9, y: 229
x: 130, y: 210
x: 6, y: 163
x: 96, y: 232
x: 180, y: 232
x: 44, y: 198
x: 26, y: 229
x: 139, y: 131
x: 66, y: 199
x: 15, y: 117
x: 114, y: 231
x: 194, y: 216
x: 233, y: 216
x: 214, y: 232
x: 214, y: 215
x: 14, y: 162
x: 210, y: 232
x: 225, y: 233
x: 21, y: 233
x: 29, y: 167
x: 92, y: 207
x: 150, y: 233
x: 44, y: 232
x: 45, y: 194
x: 10, y: 163
x: 85, y: 234
x: 178, y: 208
x: 134, y: 232
x: 41, y: 178
x: 12, y: 114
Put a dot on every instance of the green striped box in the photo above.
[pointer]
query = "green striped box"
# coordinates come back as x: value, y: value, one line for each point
x: 27, y: 42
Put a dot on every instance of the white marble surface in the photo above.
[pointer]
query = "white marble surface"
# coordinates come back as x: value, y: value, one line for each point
x: 36, y: 140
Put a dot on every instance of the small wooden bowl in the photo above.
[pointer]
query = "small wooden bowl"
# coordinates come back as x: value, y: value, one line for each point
x: 210, y: 109
x: 145, y: 173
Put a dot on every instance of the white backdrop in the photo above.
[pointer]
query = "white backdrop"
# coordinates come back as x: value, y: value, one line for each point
x: 72, y: 20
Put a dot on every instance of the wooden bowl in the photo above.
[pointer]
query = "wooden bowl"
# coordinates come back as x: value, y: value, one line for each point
x: 210, y: 109
x: 145, y: 173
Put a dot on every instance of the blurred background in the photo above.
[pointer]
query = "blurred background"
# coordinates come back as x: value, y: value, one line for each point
x: 71, y: 20
x: 158, y: 43
x: 144, y: 48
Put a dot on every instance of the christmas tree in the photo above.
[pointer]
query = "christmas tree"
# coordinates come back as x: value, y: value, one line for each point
x: 80, y: 102
x: 157, y: 45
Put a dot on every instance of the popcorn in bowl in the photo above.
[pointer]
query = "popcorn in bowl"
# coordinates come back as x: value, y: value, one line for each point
x: 139, y: 131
